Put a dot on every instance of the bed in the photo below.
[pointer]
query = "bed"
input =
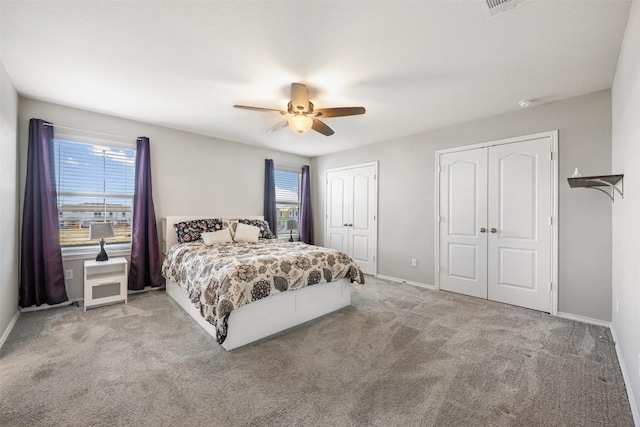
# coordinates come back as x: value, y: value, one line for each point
x: 237, y: 291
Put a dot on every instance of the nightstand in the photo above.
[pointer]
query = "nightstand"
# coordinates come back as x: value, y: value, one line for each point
x: 105, y: 282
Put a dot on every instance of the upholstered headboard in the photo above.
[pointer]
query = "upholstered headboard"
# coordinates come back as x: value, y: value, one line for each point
x: 169, y: 235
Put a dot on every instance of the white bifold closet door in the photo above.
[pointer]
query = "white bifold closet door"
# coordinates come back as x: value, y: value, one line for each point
x: 351, y: 214
x: 495, y: 228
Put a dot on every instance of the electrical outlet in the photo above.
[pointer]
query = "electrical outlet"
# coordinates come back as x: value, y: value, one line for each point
x: 68, y: 274
x: 414, y: 262
x: 617, y: 307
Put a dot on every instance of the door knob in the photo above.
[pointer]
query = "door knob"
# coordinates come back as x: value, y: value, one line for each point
x: 493, y: 230
x: 350, y: 225
x: 346, y: 225
x: 483, y: 230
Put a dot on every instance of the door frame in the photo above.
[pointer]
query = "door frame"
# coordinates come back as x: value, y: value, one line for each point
x: 375, y: 213
x: 553, y: 134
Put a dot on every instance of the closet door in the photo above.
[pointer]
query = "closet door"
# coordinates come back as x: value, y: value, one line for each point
x: 520, y: 206
x: 352, y: 206
x: 463, y: 221
x: 362, y: 211
x: 337, y: 225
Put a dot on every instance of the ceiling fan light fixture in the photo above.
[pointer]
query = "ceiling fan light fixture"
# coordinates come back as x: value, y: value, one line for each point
x: 300, y: 123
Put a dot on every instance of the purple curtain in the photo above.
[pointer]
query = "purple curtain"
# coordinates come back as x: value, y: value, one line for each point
x: 306, y: 219
x: 145, y: 252
x: 270, y: 196
x: 41, y: 271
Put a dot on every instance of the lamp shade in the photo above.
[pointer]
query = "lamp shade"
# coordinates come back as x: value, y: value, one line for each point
x: 300, y: 123
x: 292, y: 224
x: 101, y: 230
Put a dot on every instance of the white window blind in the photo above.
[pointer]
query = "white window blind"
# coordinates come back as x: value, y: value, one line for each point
x: 94, y: 183
x: 287, y: 202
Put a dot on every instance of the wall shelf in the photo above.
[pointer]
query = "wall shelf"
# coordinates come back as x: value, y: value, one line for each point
x: 609, y: 182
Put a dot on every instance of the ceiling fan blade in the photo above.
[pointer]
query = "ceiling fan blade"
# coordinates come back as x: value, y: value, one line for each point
x: 340, y: 112
x: 246, y: 107
x: 277, y: 126
x: 299, y: 97
x: 321, y: 127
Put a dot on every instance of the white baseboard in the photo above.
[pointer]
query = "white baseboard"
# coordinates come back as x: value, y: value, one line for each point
x: 583, y: 319
x: 408, y: 282
x: 625, y: 376
x: 47, y: 306
x: 147, y: 289
x: 7, y: 331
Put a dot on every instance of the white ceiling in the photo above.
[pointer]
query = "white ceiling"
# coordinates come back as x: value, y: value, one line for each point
x: 415, y: 65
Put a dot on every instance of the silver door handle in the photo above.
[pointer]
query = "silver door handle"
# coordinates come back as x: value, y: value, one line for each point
x: 493, y: 230
x: 483, y: 230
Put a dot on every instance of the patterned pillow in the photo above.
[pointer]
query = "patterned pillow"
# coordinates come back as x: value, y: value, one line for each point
x: 189, y: 231
x: 231, y: 225
x: 265, y: 230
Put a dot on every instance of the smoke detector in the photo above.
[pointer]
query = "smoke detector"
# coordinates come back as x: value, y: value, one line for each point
x: 495, y: 7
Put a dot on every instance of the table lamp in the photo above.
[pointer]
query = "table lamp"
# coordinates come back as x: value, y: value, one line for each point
x: 101, y: 230
x: 292, y: 224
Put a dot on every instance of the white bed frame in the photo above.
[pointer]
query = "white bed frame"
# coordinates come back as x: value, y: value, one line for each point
x: 268, y: 316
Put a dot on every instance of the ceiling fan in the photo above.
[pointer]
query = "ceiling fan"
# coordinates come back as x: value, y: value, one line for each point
x: 302, y: 116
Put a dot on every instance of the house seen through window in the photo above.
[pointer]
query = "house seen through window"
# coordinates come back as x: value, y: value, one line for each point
x: 287, y: 202
x: 94, y: 183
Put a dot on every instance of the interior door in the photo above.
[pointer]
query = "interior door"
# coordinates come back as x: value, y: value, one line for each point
x: 337, y: 229
x: 362, y: 210
x: 520, y: 210
x: 463, y: 219
x: 352, y: 206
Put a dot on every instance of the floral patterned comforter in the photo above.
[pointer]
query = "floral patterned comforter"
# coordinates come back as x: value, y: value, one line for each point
x: 223, y: 277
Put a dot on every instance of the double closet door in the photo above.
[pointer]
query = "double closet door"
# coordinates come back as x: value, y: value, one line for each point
x: 352, y: 205
x: 495, y: 219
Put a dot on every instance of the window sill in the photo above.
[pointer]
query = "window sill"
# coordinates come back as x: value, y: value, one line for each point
x: 89, y: 252
x: 285, y: 238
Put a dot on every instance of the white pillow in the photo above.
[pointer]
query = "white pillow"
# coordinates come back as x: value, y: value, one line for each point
x: 220, y: 236
x: 246, y: 233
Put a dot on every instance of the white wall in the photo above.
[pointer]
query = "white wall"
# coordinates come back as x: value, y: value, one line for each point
x: 626, y: 213
x: 192, y: 174
x: 406, y: 195
x: 9, y: 223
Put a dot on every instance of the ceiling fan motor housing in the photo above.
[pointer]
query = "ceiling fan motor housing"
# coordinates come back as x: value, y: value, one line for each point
x: 295, y: 110
x: 299, y: 97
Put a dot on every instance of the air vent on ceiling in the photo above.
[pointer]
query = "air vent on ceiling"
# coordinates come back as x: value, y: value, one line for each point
x: 494, y: 7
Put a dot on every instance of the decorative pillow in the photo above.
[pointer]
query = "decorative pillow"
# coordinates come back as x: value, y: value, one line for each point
x: 190, y: 231
x: 265, y: 230
x: 231, y: 225
x: 246, y: 233
x: 221, y: 236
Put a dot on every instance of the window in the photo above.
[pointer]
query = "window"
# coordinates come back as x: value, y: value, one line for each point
x: 94, y: 183
x: 287, y: 202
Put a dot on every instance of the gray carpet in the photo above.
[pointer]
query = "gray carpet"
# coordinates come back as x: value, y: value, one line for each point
x: 399, y: 355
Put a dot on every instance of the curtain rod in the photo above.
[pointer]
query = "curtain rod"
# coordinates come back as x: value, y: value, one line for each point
x: 295, y: 166
x: 91, y: 131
